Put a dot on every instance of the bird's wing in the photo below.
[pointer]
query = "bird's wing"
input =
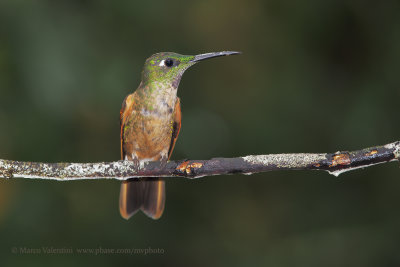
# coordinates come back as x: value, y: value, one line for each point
x: 176, y: 127
x: 126, y: 109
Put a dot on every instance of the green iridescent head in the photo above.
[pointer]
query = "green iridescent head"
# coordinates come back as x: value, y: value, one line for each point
x: 168, y: 67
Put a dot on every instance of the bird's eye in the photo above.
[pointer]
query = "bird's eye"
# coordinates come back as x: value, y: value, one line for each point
x: 169, y: 62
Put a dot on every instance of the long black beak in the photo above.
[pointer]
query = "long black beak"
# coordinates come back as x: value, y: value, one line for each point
x: 213, y: 54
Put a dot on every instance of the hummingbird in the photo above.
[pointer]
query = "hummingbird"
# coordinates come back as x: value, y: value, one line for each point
x: 150, y: 120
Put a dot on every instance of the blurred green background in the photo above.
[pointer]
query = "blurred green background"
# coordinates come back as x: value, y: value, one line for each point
x: 315, y: 76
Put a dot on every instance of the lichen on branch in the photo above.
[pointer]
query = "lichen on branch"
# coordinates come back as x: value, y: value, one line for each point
x: 335, y: 163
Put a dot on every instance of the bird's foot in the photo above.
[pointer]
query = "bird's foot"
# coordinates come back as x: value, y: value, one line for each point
x: 136, y: 164
x: 163, y: 162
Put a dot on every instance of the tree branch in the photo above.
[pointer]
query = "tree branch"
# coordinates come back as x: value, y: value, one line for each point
x: 334, y: 163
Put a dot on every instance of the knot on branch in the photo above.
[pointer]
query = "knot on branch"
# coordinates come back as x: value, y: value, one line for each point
x: 188, y: 168
x: 340, y: 159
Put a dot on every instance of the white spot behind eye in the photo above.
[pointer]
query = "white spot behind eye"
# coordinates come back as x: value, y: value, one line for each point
x: 162, y: 63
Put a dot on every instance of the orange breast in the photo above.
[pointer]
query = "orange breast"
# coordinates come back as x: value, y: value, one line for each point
x: 144, y: 135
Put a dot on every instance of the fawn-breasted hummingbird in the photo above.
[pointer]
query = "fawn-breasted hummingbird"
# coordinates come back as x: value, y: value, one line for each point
x: 150, y: 123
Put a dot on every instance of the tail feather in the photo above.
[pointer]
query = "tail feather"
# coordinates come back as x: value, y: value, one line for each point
x: 147, y: 195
